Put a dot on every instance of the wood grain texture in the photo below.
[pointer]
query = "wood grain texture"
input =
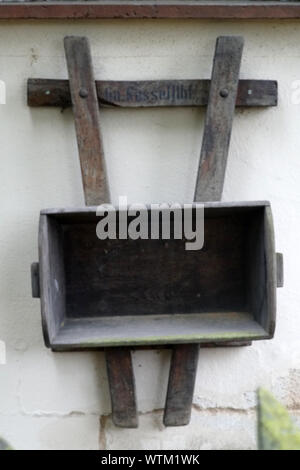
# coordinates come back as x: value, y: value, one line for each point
x: 122, y: 387
x: 51, y: 277
x: 86, y: 115
x: 135, y: 330
x: 268, y: 315
x: 123, y: 277
x: 183, y: 9
x: 181, y: 385
x: 149, y: 93
x: 219, y: 118
x: 209, y: 186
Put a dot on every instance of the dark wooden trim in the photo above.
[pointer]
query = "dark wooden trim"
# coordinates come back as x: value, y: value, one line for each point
x: 209, y: 187
x: 87, y: 123
x: 122, y: 387
x: 149, y: 9
x: 139, y: 94
x: 219, y: 118
x: 182, y: 377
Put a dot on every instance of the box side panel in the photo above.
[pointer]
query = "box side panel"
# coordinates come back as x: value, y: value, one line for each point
x: 269, y: 320
x: 256, y: 268
x: 262, y: 269
x: 52, y: 282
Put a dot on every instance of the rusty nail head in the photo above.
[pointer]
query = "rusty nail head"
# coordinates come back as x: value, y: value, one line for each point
x: 224, y: 93
x: 83, y: 93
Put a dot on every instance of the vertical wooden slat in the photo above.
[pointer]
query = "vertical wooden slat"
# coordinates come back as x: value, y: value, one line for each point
x: 122, y: 387
x: 121, y: 382
x: 86, y: 115
x: 181, y: 385
x: 96, y: 191
x: 219, y: 118
x: 209, y: 187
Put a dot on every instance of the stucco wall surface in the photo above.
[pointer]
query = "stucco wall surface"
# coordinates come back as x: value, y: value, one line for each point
x: 60, y: 400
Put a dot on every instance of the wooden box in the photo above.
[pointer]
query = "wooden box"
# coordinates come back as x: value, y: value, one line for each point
x: 97, y: 293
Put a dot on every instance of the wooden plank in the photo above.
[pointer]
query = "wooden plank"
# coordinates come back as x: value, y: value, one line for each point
x: 219, y: 118
x: 100, y: 332
x: 269, y: 305
x: 151, y: 347
x: 51, y: 277
x: 182, y: 378
x: 146, y: 93
x: 122, y: 387
x: 209, y: 186
x: 35, y: 281
x: 86, y: 115
x: 181, y: 385
x: 149, y: 9
x: 279, y: 266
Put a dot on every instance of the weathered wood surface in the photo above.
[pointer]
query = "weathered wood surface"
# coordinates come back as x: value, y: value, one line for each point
x: 86, y: 115
x: 122, y: 387
x: 142, y: 277
x: 181, y: 385
x: 35, y: 280
x: 268, y: 314
x: 209, y: 186
x: 96, y: 190
x: 135, y: 282
x: 219, y: 118
x: 90, y: 211
x: 156, y: 329
x: 134, y: 9
x: 279, y: 269
x: 52, y: 278
x: 151, y: 93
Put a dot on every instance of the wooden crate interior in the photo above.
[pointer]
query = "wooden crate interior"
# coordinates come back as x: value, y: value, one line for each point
x: 115, y: 291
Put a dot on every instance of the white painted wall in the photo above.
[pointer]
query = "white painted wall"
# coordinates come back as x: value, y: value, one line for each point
x: 60, y: 401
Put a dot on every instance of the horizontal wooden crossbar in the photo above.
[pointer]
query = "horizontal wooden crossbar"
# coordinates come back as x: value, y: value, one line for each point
x: 134, y: 9
x: 155, y: 93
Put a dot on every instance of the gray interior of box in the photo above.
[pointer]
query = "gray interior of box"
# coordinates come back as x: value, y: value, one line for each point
x: 113, y: 292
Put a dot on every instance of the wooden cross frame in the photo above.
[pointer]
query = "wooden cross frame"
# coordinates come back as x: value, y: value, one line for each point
x: 221, y: 94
